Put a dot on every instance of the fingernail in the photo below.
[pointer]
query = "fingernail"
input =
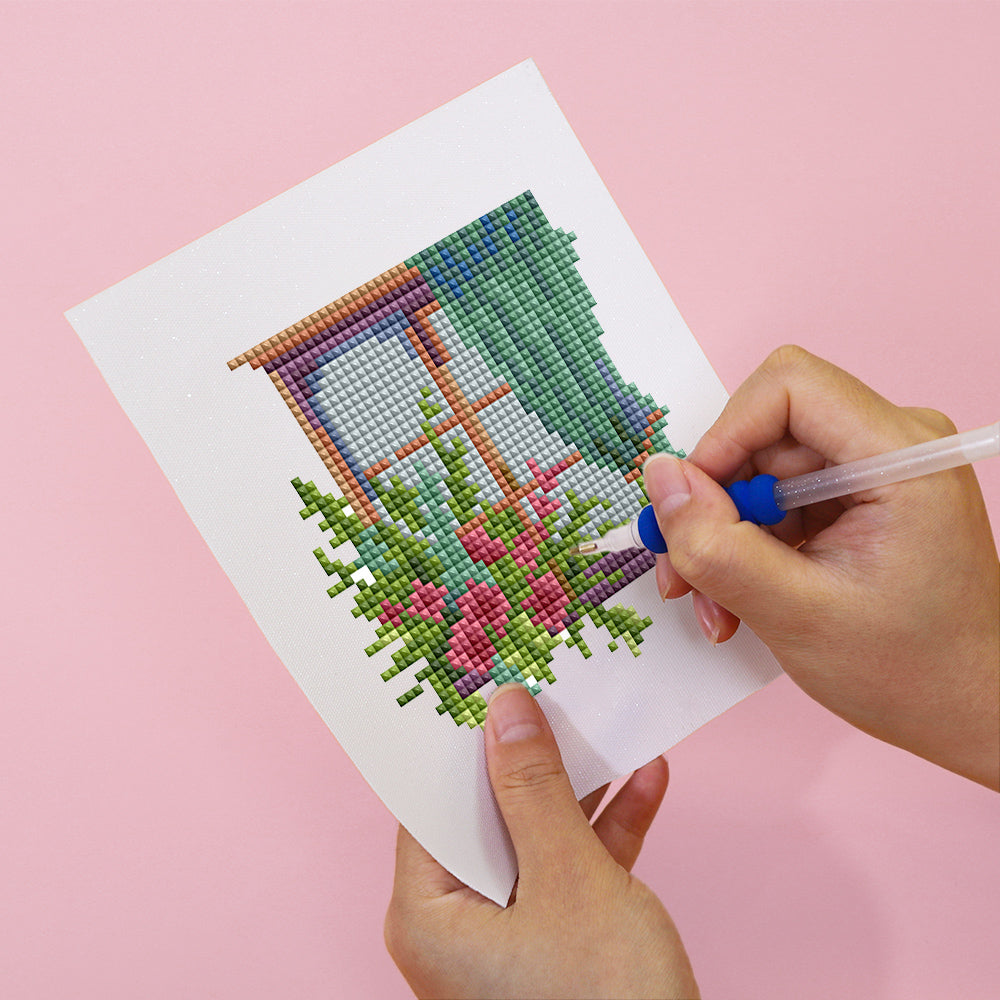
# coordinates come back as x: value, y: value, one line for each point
x: 513, y: 714
x: 662, y: 577
x: 709, y: 616
x: 665, y: 483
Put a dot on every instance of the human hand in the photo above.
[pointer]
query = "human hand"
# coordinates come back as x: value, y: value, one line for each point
x: 883, y: 606
x: 578, y: 925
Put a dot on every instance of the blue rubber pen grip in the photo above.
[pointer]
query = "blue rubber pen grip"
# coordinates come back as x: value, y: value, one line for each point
x: 754, y: 499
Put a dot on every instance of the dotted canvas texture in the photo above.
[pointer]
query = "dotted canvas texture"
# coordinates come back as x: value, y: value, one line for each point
x: 475, y: 427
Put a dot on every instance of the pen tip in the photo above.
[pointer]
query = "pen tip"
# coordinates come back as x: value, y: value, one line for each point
x: 583, y: 549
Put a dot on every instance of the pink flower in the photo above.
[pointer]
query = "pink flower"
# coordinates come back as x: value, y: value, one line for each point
x: 428, y: 600
x: 481, y: 547
x: 525, y: 550
x: 547, y: 478
x: 548, y: 601
x: 391, y: 613
x: 543, y: 505
x: 470, y: 648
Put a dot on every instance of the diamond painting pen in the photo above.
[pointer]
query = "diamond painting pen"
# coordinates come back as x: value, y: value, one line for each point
x: 765, y: 499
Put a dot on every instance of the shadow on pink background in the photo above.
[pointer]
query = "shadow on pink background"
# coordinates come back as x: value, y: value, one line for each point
x: 175, y: 820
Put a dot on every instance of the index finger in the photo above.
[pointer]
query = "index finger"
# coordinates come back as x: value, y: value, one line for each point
x: 798, y: 396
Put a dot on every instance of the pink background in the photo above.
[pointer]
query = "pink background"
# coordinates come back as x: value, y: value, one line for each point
x: 175, y: 820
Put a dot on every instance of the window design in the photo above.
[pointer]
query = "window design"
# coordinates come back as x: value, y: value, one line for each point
x: 476, y: 428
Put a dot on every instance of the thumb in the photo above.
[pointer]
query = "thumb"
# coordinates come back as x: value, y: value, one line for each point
x: 745, y: 569
x: 531, y: 787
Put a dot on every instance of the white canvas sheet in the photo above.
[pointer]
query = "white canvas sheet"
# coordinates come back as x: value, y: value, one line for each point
x: 230, y: 447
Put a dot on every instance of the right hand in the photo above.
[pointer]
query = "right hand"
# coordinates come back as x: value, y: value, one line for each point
x: 883, y: 606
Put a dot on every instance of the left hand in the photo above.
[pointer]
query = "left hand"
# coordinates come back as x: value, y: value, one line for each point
x: 578, y: 924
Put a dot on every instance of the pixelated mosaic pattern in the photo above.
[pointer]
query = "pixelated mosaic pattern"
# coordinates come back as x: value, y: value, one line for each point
x: 476, y: 427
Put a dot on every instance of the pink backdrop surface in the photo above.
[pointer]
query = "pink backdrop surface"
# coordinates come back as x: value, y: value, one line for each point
x: 175, y: 820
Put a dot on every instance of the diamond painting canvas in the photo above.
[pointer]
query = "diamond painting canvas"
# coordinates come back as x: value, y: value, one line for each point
x: 390, y: 399
x: 476, y: 427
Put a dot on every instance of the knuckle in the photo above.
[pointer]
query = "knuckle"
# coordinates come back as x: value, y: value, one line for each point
x: 699, y: 564
x: 937, y: 422
x: 710, y: 567
x: 631, y: 830
x: 785, y: 365
x: 787, y: 357
x: 408, y: 934
x: 530, y: 776
x: 394, y: 930
x: 691, y: 563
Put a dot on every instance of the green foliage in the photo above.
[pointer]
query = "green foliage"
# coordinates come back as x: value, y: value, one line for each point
x: 417, y: 544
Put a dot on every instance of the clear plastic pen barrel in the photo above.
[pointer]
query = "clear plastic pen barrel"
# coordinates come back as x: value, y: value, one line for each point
x: 893, y: 467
